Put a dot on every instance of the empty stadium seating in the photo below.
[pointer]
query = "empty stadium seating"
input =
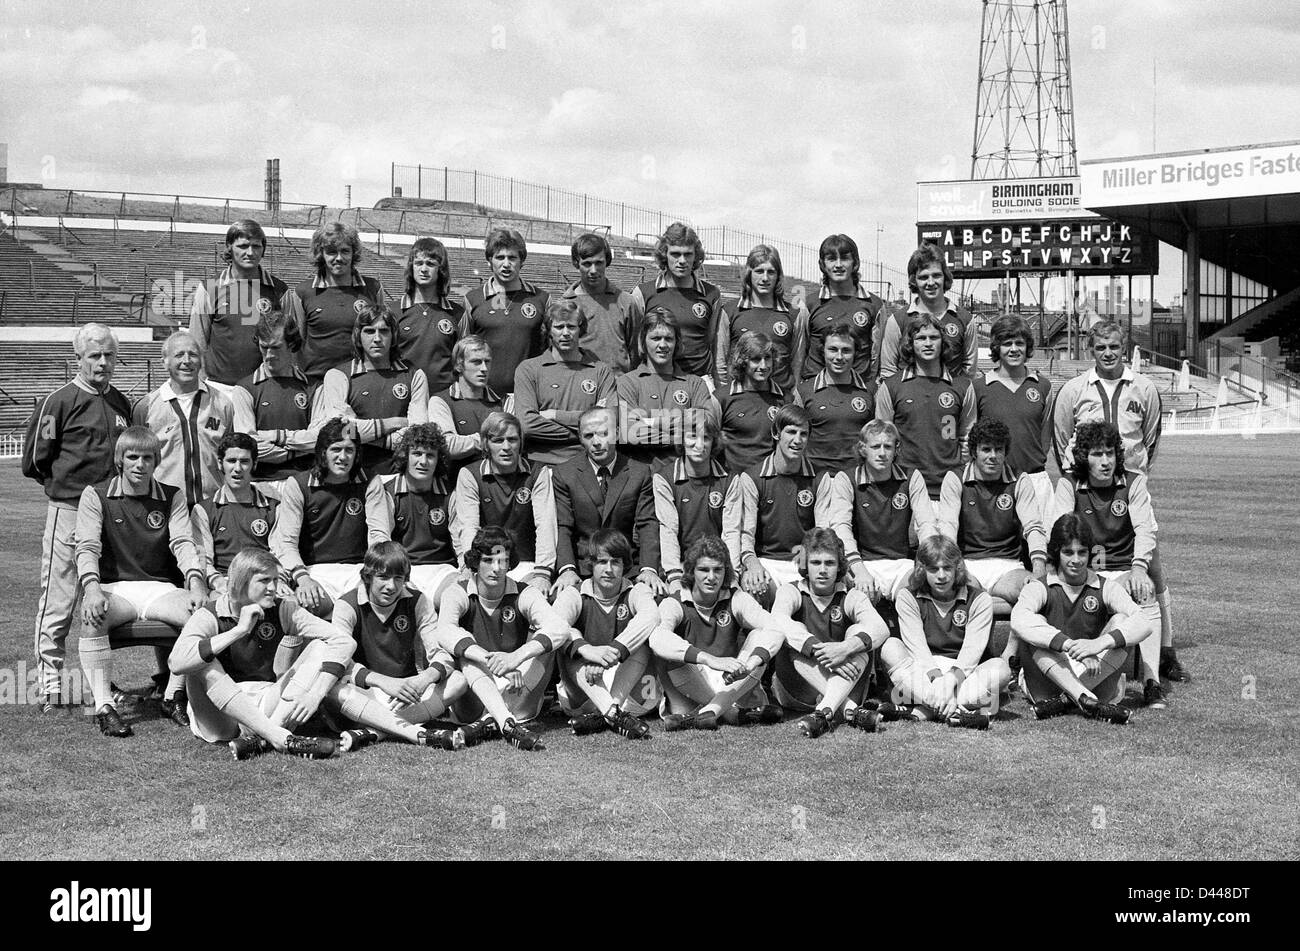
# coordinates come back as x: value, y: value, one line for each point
x: 33, y: 369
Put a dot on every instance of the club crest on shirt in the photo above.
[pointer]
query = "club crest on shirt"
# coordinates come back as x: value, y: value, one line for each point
x: 353, y: 507
x: 1134, y: 408
x: 401, y: 623
x: 1118, y: 508
x: 265, y: 631
x: 154, y: 519
x: 358, y: 305
x: 771, y: 412
x: 700, y: 309
x: 300, y: 400
x: 680, y: 397
x: 507, y: 615
x: 259, y: 527
x: 529, y: 310
x: 780, y: 328
x: 264, y: 305
x: 723, y: 619
x: 805, y: 497
x: 860, y: 318
x: 715, y: 499
x: 621, y: 612
x: 437, y: 516
x: 1091, y: 604
x: 837, y: 614
x: 959, y: 617
x: 1004, y: 502
x: 900, y: 500
x: 400, y: 391
x: 951, y: 330
x: 589, y: 386
x: 1033, y: 395
x: 859, y: 404
x: 444, y: 326
x: 121, y: 423
x: 523, y: 495
x: 947, y: 400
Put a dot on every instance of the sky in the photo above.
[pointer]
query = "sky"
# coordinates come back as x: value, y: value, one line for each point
x: 795, y: 119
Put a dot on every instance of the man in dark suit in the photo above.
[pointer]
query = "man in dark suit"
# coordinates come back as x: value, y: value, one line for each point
x: 603, y: 489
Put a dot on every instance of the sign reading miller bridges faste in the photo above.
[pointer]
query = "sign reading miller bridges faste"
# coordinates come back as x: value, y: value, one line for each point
x: 1084, y: 245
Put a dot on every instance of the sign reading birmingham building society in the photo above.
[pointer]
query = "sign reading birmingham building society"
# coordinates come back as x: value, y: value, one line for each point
x: 1000, y: 200
x: 990, y: 249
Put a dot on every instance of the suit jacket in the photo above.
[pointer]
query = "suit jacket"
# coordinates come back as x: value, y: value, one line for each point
x: 629, y: 506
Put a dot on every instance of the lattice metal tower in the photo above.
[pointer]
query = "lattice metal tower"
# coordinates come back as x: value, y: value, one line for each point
x: 1024, y: 112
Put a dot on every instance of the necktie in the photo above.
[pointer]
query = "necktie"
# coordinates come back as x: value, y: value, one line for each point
x: 602, y: 476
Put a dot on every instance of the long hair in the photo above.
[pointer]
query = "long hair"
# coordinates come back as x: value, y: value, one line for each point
x: 385, y: 558
x: 823, y: 540
x: 906, y: 350
x: 246, y: 564
x: 749, y: 346
x: 334, y: 235
x: 334, y: 431
x: 1068, y: 528
x: 707, y: 546
x: 680, y: 236
x: 931, y: 553
x: 1006, y: 328
x: 563, y: 307
x: 425, y: 436
x: 763, y: 254
x: 1090, y: 436
x: 656, y: 318
x: 922, y: 257
x: 436, y: 250
x: 372, y: 313
x: 841, y: 244
x: 613, y: 543
x: 244, y: 228
x: 486, y: 539
x: 139, y: 439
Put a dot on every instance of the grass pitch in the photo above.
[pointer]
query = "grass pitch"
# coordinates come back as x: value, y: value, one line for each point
x: 1212, y: 777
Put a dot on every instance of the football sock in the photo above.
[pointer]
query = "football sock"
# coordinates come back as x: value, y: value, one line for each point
x: 726, y: 698
x: 234, y: 703
x: 355, y: 704
x: 1166, y: 618
x: 431, y: 707
x: 1057, y: 670
x: 628, y: 676
x: 1149, y: 647
x: 484, y: 686
x: 97, y: 662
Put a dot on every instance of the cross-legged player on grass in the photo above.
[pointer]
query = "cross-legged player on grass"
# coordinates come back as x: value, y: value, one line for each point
x: 826, y: 670
x: 608, y: 651
x: 714, y: 642
x: 888, y: 510
x: 399, y: 676
x: 504, y: 639
x: 1116, y: 506
x: 944, y: 622
x: 234, y: 655
x: 1077, y: 630
x: 137, y: 562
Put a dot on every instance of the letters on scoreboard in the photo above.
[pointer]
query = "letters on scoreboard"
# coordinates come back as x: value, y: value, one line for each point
x: 990, y: 249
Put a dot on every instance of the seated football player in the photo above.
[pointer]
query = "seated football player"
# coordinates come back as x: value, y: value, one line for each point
x: 932, y: 409
x: 764, y: 308
x: 603, y: 488
x: 430, y: 319
x: 377, y: 389
x: 399, y: 677
x: 460, y: 409
x: 605, y: 660
x: 749, y: 403
x: 771, y: 505
x: 843, y: 296
x: 656, y: 399
x: 839, y: 401
x: 1076, y: 630
x: 233, y: 652
x: 689, y: 496
x: 504, y: 640
x: 238, y: 516
x: 553, y: 390
x: 887, y: 509
x: 504, y: 490
x: 944, y: 622
x: 418, y: 509
x: 137, y: 562
x: 991, y: 512
x: 326, y: 518
x: 679, y: 289
x: 827, y: 670
x: 274, y: 405
x: 930, y: 280
x: 1116, y: 506
x: 713, y: 643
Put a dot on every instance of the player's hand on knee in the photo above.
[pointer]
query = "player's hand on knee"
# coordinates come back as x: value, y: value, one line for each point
x: 197, y: 597
x: 755, y: 580
x: 538, y: 580
x: 498, y: 663
x: 310, y: 594
x: 865, y: 581
x: 568, y: 579
x: 407, y: 689
x: 1140, y: 586
x: 593, y: 673
x: 94, y: 607
x: 1091, y: 665
x: 303, y: 709
x: 515, y: 681
x: 650, y: 578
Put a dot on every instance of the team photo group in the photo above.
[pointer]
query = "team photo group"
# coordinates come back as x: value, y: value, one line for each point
x: 387, y: 514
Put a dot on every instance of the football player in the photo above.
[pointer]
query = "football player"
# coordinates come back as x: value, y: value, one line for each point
x: 839, y: 401
x: 689, y: 497
x: 842, y: 297
x: 419, y: 509
x: 749, y: 402
x: 930, y: 280
x: 611, y: 316
x: 507, y: 311
x: 764, y: 308
x: 238, y: 516
x: 273, y: 405
x: 694, y: 302
x: 430, y: 323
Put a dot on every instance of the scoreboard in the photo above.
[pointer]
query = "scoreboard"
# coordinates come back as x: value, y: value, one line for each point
x: 989, y: 249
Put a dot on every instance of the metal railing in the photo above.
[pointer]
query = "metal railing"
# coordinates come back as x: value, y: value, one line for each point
x: 232, y: 209
x: 1228, y: 361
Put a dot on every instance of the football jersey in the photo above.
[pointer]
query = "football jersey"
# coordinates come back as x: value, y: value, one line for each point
x: 747, y: 417
x: 505, y: 630
x: 505, y: 499
x: 334, y: 529
x: 882, y: 516
x: 251, y: 658
x: 515, y: 334
x: 426, y: 334
x: 988, y: 526
x: 388, y: 647
x: 280, y: 402
x: 778, y: 325
x: 329, y: 313
x: 836, y: 412
x: 698, y: 500
x: 136, y: 536
x: 829, y: 625
x: 927, y: 412
x: 825, y: 312
x: 785, y: 511
x: 1025, y: 412
x: 945, y: 634
x: 1105, y: 509
x: 468, y: 415
x: 599, y: 627
x: 719, y: 634
x: 235, y: 526
x: 697, y: 308
x: 233, y: 308
x: 378, y: 393
x: 1080, y: 618
x: 420, y: 522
